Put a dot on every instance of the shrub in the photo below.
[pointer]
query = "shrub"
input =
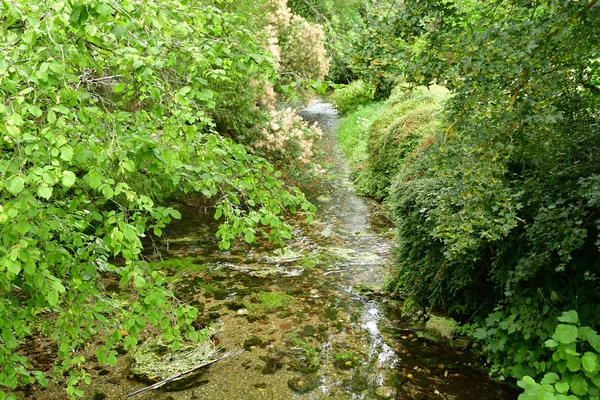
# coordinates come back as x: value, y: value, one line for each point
x: 573, y: 370
x: 346, y: 98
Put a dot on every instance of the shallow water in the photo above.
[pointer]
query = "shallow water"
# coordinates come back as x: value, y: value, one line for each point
x: 298, y: 313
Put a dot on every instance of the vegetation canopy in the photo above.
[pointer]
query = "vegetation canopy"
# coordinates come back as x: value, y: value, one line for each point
x: 107, y: 110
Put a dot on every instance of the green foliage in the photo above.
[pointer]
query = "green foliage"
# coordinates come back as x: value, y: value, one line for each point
x: 354, y: 132
x: 503, y: 202
x: 572, y: 372
x: 308, y: 356
x: 381, y: 137
x: 106, y: 110
x: 502, y: 208
x: 348, y: 97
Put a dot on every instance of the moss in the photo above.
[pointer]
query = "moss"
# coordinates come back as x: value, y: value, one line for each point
x: 307, y: 357
x: 441, y: 328
x: 346, y: 360
x: 253, y: 341
x: 179, y: 264
x: 265, y: 302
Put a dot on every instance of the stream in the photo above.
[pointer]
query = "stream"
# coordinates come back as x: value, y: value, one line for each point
x: 309, y: 316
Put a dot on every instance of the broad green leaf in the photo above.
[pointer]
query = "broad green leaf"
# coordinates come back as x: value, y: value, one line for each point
x: 13, y: 266
x: 586, y: 332
x: 52, y: 297
x: 594, y: 341
x: 550, y: 378
x: 68, y: 178
x: 562, y: 387
x: 45, y: 192
x: 569, y: 317
x: 15, y: 185
x: 66, y: 153
x: 589, y: 362
x: 573, y: 363
x: 139, y: 281
x: 579, y: 385
x: 249, y: 237
x: 565, y: 333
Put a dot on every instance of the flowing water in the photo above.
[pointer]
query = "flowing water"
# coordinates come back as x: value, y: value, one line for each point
x: 309, y: 316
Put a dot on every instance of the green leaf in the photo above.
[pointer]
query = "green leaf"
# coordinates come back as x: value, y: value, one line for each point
x: 102, y: 356
x: 579, y: 385
x: 23, y: 226
x: 589, y: 362
x: 66, y: 153
x: 108, y: 192
x: 249, y: 237
x: 52, y: 297
x: 139, y: 281
x: 68, y: 178
x: 586, y: 332
x: 95, y: 179
x: 13, y: 266
x: 565, y: 333
x: 45, y: 192
x: 550, y: 378
x: 569, y: 317
x: 573, y: 363
x: 562, y: 387
x: 61, y: 109
x: 594, y: 341
x: 15, y: 185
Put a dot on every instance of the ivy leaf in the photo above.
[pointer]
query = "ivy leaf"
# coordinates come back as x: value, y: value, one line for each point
x: 579, y: 385
x: 15, y: 185
x: 565, y: 333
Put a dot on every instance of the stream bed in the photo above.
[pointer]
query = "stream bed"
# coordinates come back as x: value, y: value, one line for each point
x: 309, y: 316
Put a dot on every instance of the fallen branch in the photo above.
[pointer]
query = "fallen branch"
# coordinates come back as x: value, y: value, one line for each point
x: 179, y: 375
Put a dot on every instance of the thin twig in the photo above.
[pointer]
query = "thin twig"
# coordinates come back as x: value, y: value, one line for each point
x: 189, y: 371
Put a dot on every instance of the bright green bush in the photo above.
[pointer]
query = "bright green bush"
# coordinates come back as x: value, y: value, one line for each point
x: 354, y: 132
x: 105, y: 111
x: 410, y: 119
x: 573, y: 370
x: 347, y: 97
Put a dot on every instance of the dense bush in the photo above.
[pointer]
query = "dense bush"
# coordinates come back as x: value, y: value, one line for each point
x: 381, y: 137
x: 500, y: 210
x: 106, y: 110
x: 348, y: 97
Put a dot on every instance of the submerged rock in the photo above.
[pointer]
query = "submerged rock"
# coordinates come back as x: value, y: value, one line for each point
x: 304, y: 384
